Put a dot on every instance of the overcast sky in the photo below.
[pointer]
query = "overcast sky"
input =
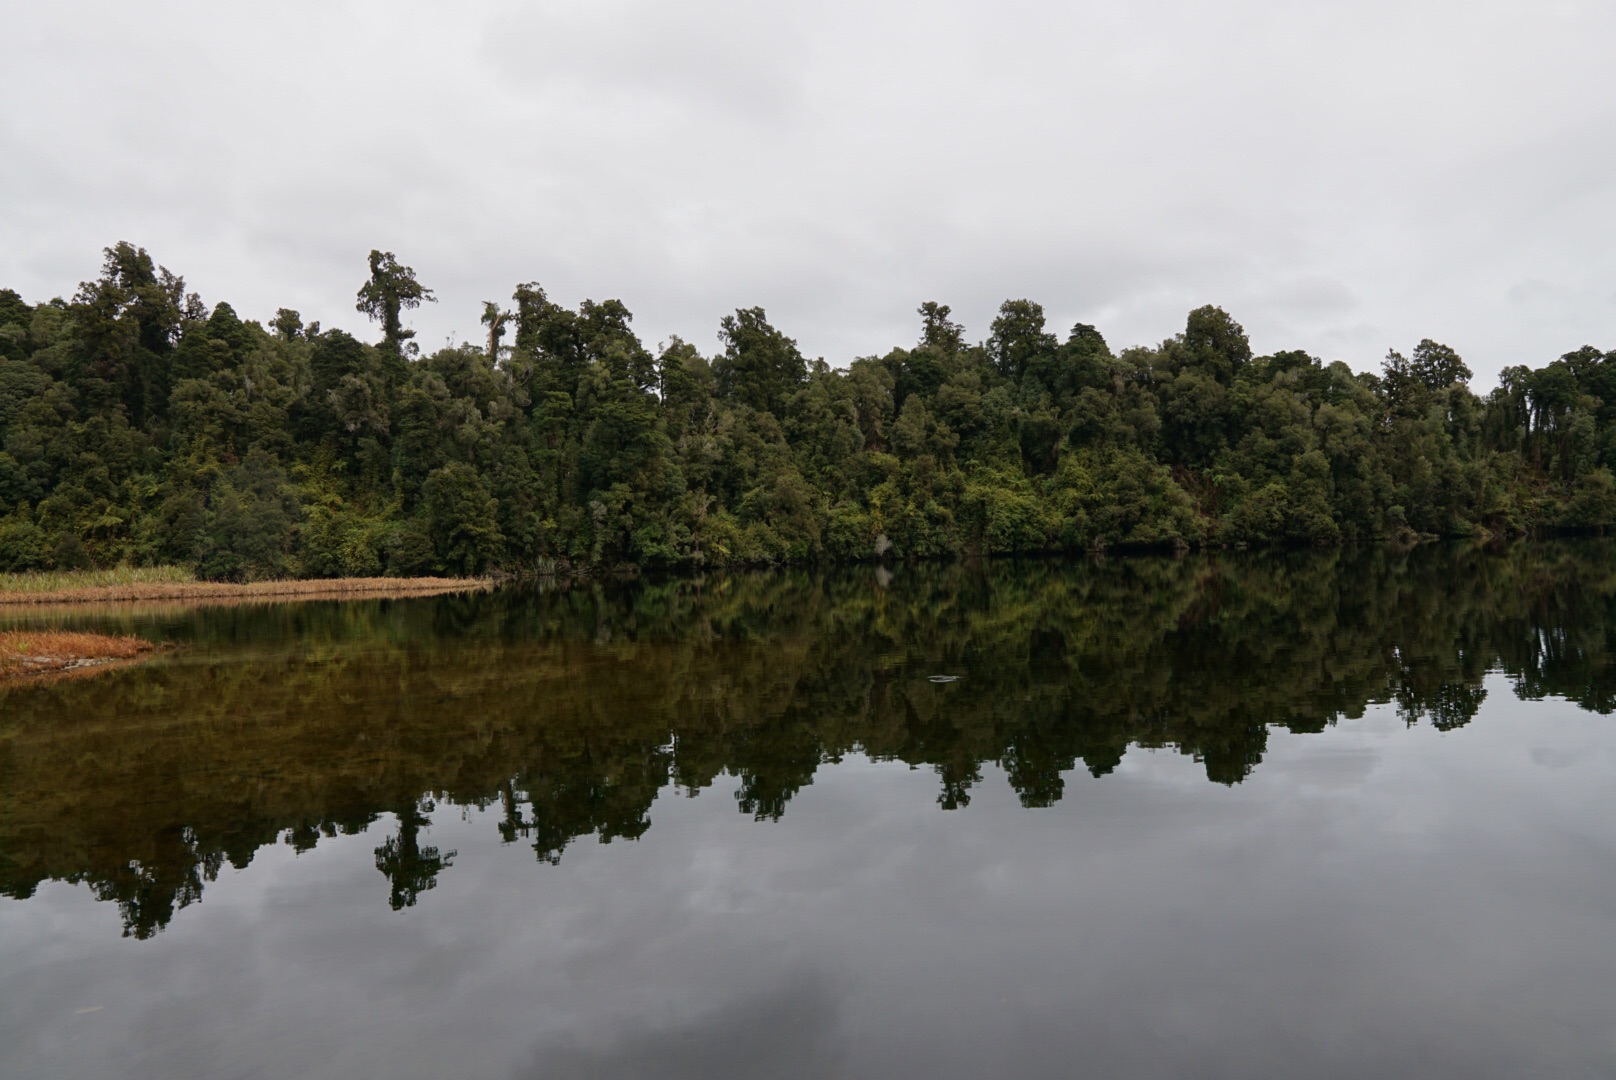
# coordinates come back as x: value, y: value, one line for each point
x: 1342, y: 177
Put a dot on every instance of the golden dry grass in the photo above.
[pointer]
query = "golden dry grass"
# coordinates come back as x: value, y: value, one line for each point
x: 208, y: 592
x: 37, y: 652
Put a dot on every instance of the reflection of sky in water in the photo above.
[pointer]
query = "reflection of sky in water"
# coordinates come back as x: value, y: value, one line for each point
x: 1371, y: 901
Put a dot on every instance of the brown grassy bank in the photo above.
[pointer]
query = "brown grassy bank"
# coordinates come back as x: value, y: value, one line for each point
x: 46, y: 652
x: 207, y: 592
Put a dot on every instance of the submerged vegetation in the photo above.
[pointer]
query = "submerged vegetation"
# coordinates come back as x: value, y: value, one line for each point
x: 39, y: 652
x: 139, y: 426
x: 567, y: 711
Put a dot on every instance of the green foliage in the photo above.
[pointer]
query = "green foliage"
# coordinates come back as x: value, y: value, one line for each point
x: 391, y: 290
x: 1120, y: 498
x: 759, y: 365
x: 247, y: 527
x: 23, y: 544
x: 138, y: 426
x: 1592, y: 505
x: 462, y: 520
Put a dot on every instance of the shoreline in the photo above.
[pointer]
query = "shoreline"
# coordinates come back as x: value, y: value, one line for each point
x: 225, y: 592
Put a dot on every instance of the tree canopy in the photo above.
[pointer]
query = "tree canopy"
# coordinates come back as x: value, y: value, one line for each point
x: 138, y: 425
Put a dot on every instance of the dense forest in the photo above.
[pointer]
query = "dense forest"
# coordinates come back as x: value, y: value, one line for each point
x: 568, y: 708
x: 139, y: 426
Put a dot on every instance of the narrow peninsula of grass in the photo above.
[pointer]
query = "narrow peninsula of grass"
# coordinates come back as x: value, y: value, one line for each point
x: 104, y: 587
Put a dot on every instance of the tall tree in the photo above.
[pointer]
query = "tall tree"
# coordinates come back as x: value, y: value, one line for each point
x: 392, y: 288
x: 1438, y: 366
x: 1215, y: 343
x: 759, y: 365
x: 495, y: 318
x: 1018, y: 340
x: 938, y: 330
x: 128, y: 322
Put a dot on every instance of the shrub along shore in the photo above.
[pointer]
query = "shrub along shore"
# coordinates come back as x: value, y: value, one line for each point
x: 141, y: 427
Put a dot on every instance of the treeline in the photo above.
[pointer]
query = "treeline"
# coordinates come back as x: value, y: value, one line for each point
x: 571, y: 710
x: 139, y: 427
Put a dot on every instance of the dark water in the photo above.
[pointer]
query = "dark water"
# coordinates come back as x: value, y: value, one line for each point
x: 1294, y: 815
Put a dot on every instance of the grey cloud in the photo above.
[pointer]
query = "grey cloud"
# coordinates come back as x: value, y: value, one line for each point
x: 1531, y: 291
x: 1314, y: 295
x: 727, y: 56
x: 1342, y: 178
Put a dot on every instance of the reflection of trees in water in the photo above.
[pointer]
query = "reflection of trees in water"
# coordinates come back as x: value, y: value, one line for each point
x: 411, y: 868
x: 571, y: 709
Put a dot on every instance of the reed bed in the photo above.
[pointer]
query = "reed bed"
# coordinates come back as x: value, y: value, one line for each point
x: 118, y: 577
x: 71, y: 591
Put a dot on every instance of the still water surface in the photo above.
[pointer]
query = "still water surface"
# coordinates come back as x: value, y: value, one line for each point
x: 1325, y: 815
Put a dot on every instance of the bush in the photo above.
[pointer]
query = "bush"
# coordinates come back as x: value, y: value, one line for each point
x: 68, y: 553
x: 1593, y: 502
x: 23, y: 545
x: 463, y: 519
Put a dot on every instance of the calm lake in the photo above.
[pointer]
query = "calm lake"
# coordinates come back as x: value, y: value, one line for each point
x: 1321, y: 814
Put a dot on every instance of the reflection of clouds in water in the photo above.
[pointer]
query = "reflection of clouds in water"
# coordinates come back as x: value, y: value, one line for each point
x: 1332, y: 767
x: 1557, y: 757
x: 719, y: 887
x: 789, y: 1031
